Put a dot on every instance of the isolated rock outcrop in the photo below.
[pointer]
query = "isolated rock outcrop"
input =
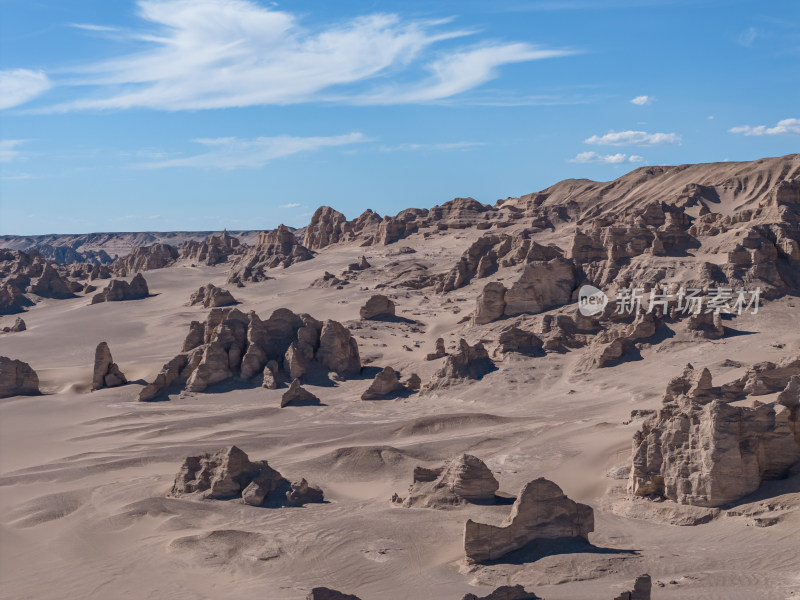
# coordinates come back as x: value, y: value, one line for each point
x: 385, y: 385
x: 145, y: 258
x: 232, y: 344
x: 464, y: 479
x: 213, y: 250
x: 276, y: 248
x: 440, y: 351
x: 106, y: 373
x: 119, y: 290
x: 376, y: 307
x: 210, y: 296
x: 700, y: 449
x: 17, y: 378
x: 540, y: 512
x: 505, y: 592
x: 470, y: 362
x: 229, y: 473
x: 323, y: 593
x: 297, y: 394
x: 18, y: 326
x: 520, y: 341
x: 641, y: 589
x: 51, y: 285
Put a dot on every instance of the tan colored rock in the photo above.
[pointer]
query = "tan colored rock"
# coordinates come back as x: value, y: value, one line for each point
x: 276, y: 248
x: 338, y: 350
x: 17, y: 327
x: 119, y: 290
x: 520, y: 341
x: 298, y: 395
x: 301, y: 492
x: 17, y: 378
x: 106, y: 373
x: 470, y: 362
x: 323, y: 593
x: 641, y: 589
x: 210, y: 296
x: 213, y: 250
x: 541, y: 512
x: 542, y: 285
x: 440, y: 351
x: 378, y: 306
x: 413, y: 382
x: 145, y: 258
x: 51, y: 285
x: 385, y: 385
x: 491, y: 303
x: 505, y: 592
x: 464, y: 479
x: 703, y: 451
x: 270, y: 380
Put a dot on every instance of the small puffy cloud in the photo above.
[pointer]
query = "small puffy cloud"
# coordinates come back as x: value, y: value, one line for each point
x: 784, y: 127
x: 608, y: 159
x: 634, y: 138
x: 18, y: 86
x: 234, y: 153
x: 290, y: 205
x: 642, y: 100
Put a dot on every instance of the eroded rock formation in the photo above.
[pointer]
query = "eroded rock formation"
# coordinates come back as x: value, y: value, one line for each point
x: 276, y: 248
x: 505, y: 592
x: 378, y: 306
x: 119, y: 290
x: 464, y: 479
x: 298, y: 395
x: 17, y: 378
x: 213, y: 250
x: 210, y: 296
x: 641, y: 589
x: 145, y: 258
x: 106, y: 373
x: 540, y: 512
x: 385, y: 385
x: 470, y: 362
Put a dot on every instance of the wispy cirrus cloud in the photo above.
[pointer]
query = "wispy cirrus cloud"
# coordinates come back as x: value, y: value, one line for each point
x: 634, y: 138
x: 18, y: 86
x: 289, y: 205
x: 642, y: 100
x: 609, y: 159
x: 8, y: 150
x: 784, y: 127
x: 205, y: 54
x: 235, y: 153
x: 444, y: 147
x: 92, y: 27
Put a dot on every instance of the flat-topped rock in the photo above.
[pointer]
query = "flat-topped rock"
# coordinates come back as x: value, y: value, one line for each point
x: 378, y: 306
x: 119, y: 290
x: 464, y: 479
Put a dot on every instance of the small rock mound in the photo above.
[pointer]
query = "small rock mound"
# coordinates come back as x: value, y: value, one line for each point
x: 18, y: 326
x: 17, y: 378
x: 229, y: 473
x: 505, y: 592
x: 465, y: 479
x: 385, y: 384
x: 323, y: 593
x: 378, y: 306
x: 298, y: 395
x: 541, y: 512
x: 210, y: 296
x: 106, y: 372
x: 641, y: 589
x: 119, y: 290
x: 470, y: 362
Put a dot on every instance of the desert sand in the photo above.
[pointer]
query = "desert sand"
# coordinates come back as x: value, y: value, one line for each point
x: 85, y: 475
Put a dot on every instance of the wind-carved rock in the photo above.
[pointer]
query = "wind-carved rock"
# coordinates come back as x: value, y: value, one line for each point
x: 145, y: 258
x: 540, y: 512
x: 440, y: 351
x: 464, y: 479
x: 231, y: 344
x: 505, y: 592
x: 385, y: 385
x: 491, y: 303
x: 520, y: 341
x: 213, y: 250
x: 327, y: 227
x: 119, y: 290
x: 276, y: 248
x: 210, y: 296
x: 298, y: 395
x: 377, y: 307
x: 17, y: 378
x: 17, y: 327
x: 699, y: 449
x: 470, y: 362
x: 106, y: 373
x: 51, y: 285
x: 229, y: 473
x: 641, y: 589
x: 323, y: 593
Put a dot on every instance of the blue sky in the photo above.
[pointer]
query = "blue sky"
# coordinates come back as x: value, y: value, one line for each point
x: 203, y: 114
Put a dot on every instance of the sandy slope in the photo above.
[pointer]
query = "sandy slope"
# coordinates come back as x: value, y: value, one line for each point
x: 83, y: 476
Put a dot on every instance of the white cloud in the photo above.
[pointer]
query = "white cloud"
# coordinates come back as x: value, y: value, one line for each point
x: 234, y: 153
x: 203, y: 54
x: 747, y: 37
x: 609, y: 159
x: 290, y: 205
x: 8, y: 150
x: 784, y: 127
x: 634, y: 138
x: 18, y: 86
x: 447, y: 146
x: 642, y: 100
x: 92, y: 27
